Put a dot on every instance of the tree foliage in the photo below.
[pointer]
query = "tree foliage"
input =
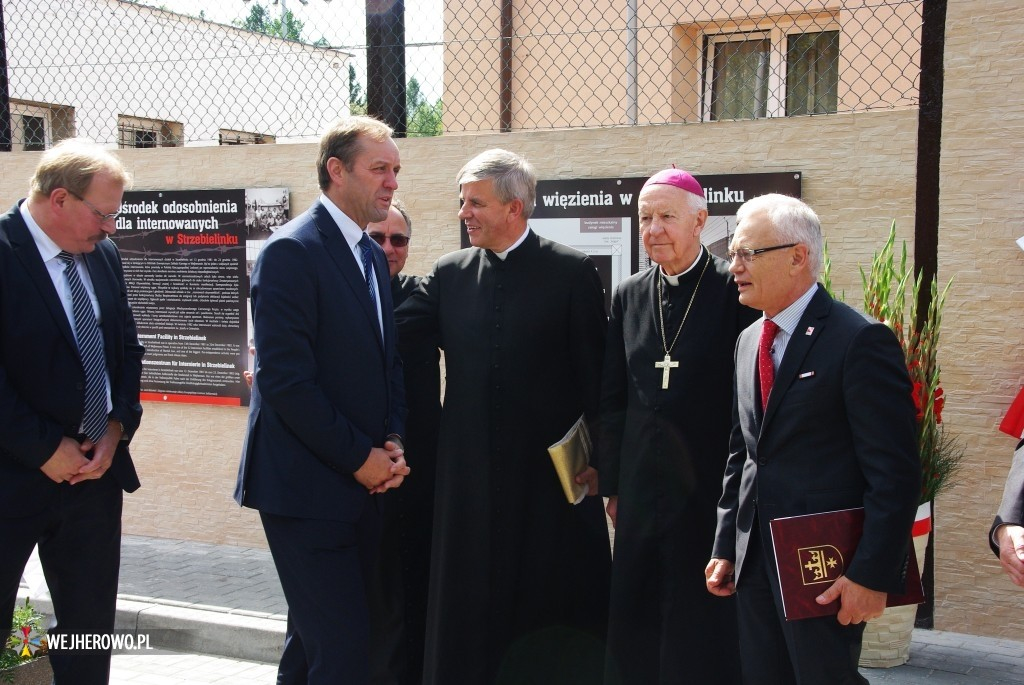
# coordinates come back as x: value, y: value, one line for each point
x: 424, y: 117
x: 261, y: 21
x: 356, y: 97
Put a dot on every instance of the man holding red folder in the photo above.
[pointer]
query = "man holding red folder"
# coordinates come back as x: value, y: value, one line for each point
x: 823, y: 420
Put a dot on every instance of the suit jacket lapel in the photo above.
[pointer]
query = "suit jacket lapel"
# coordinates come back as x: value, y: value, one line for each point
x: 806, y: 334
x: 25, y: 248
x: 106, y: 289
x: 747, y: 385
x: 337, y: 247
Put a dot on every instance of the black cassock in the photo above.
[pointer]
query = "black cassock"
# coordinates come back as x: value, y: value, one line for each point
x: 398, y: 589
x: 663, y: 452
x: 519, y: 577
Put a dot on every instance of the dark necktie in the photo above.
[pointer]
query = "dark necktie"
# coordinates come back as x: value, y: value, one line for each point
x: 90, y: 349
x: 364, y: 245
x: 765, y: 366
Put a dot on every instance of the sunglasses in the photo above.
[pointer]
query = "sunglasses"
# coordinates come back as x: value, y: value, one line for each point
x: 397, y: 239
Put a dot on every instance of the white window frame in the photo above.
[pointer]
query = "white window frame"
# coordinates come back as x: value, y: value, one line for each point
x: 778, y: 35
x: 19, y: 110
x: 771, y: 101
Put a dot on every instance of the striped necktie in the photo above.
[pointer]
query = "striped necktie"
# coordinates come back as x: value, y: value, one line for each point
x: 364, y: 245
x: 90, y: 349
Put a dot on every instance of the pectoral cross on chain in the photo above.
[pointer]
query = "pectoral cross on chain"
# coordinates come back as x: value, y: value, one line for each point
x: 665, y: 365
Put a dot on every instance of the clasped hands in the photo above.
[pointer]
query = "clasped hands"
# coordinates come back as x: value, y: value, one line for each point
x: 71, y: 463
x: 856, y: 602
x: 384, y: 469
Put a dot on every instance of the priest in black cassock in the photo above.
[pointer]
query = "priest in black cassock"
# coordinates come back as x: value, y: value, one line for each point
x: 663, y: 441
x: 398, y: 590
x: 519, y: 576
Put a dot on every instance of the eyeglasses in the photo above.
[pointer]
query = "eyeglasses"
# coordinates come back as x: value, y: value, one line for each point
x: 397, y: 239
x: 99, y: 215
x: 747, y: 255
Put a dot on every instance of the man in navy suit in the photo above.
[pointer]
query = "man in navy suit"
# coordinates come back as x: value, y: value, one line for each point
x: 327, y: 410
x: 66, y: 416
x: 823, y: 419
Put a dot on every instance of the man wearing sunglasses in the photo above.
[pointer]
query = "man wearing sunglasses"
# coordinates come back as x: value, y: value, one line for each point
x: 70, y: 369
x: 398, y: 588
x: 393, y: 235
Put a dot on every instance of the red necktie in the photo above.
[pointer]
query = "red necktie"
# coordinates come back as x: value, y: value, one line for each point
x: 765, y: 367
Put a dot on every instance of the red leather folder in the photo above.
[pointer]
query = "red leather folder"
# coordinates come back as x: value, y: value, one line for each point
x: 812, y: 551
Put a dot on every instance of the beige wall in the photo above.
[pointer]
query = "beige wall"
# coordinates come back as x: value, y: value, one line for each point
x: 858, y: 173
x: 982, y: 187
x: 187, y: 455
x: 569, y: 64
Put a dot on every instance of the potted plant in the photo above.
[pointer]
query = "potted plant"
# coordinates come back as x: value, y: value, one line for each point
x: 886, y: 286
x: 23, y: 660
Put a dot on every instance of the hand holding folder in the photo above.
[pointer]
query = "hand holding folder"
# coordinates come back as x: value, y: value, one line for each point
x: 812, y: 551
x: 570, y: 456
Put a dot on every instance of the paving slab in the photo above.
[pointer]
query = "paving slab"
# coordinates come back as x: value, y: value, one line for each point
x: 216, y: 614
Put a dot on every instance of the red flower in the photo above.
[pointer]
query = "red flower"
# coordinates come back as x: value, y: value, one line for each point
x: 918, y: 404
x: 937, y: 404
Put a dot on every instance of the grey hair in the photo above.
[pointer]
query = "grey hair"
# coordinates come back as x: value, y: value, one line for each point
x: 71, y: 164
x: 696, y: 202
x: 793, y: 222
x: 400, y: 206
x: 514, y: 177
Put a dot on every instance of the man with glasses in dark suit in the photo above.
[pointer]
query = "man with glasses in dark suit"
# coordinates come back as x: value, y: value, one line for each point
x: 823, y: 420
x: 70, y: 370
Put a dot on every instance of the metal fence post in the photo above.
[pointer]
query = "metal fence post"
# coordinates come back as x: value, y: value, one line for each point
x: 926, y: 224
x: 385, y: 63
x: 5, y: 98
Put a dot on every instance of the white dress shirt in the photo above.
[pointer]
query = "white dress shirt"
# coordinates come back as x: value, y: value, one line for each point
x: 353, y: 234
x: 49, y: 250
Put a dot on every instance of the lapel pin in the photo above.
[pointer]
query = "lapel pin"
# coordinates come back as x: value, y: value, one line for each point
x: 810, y: 329
x: 806, y: 374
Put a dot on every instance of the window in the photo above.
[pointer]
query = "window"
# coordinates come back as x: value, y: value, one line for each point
x: 137, y: 132
x: 739, y: 78
x: 230, y: 137
x: 812, y: 73
x: 36, y: 126
x: 33, y: 133
x: 771, y: 73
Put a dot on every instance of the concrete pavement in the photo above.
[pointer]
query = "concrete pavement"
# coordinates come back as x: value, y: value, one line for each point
x: 215, y: 614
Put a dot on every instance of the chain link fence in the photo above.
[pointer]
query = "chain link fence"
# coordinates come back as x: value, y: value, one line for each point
x: 227, y: 72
